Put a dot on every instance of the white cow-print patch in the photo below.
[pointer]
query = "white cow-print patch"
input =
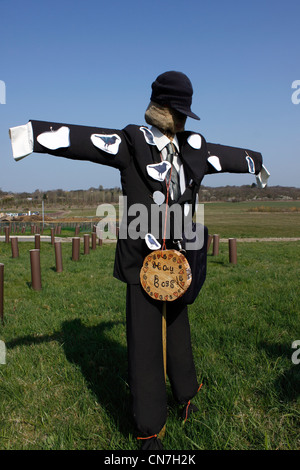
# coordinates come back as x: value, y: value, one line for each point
x: 158, y: 198
x: 215, y: 162
x: 55, y: 139
x: 195, y: 141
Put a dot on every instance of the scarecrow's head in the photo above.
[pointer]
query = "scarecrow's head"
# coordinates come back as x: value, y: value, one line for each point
x: 170, y: 103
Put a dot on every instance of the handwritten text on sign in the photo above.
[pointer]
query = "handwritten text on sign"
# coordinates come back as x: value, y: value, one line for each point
x: 165, y: 275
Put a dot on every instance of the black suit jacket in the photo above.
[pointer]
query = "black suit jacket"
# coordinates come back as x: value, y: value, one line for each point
x: 133, y: 155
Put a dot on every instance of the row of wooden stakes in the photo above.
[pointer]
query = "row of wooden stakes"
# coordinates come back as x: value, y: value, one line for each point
x: 34, y: 229
x: 211, y: 238
x: 36, y: 282
x: 35, y: 265
x: 38, y: 231
x: 231, y: 245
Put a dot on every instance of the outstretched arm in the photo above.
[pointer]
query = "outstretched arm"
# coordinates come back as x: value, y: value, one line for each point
x: 99, y: 145
x: 222, y: 158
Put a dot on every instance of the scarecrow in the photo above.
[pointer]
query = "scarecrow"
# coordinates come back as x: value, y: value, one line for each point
x: 161, y: 165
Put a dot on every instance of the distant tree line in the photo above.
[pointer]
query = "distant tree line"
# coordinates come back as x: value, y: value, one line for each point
x: 60, y: 198
x: 248, y: 193
x: 94, y: 196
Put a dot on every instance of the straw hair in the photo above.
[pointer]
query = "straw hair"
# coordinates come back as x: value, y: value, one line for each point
x: 166, y: 119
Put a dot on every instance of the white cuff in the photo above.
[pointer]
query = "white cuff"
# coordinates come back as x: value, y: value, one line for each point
x: 262, y: 177
x: 21, y: 140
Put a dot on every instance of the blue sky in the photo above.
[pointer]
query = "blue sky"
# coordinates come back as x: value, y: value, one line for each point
x: 93, y: 63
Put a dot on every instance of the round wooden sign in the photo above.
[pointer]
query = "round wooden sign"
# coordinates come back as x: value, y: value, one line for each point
x: 165, y: 275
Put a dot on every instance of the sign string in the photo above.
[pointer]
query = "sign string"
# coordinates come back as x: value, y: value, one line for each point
x: 164, y: 247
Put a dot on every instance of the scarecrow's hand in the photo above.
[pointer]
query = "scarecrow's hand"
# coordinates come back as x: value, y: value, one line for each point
x: 21, y: 140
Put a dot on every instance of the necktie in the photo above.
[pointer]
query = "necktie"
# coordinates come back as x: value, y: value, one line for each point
x: 174, y: 183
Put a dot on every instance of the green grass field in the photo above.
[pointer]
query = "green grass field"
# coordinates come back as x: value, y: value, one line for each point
x: 64, y: 384
x: 243, y: 219
x: 253, y: 219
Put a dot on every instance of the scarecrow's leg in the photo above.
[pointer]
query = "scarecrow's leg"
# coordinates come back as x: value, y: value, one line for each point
x: 180, y: 363
x: 145, y: 361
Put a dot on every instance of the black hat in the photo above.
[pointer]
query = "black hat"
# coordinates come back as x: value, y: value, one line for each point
x: 174, y: 89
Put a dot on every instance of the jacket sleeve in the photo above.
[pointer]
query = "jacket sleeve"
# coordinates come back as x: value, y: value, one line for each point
x: 222, y: 159
x: 98, y: 145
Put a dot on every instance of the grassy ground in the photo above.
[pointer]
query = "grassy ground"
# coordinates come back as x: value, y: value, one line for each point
x: 243, y: 219
x: 253, y: 219
x: 64, y: 385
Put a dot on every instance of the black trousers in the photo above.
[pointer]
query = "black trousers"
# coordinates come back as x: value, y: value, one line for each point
x: 145, y: 358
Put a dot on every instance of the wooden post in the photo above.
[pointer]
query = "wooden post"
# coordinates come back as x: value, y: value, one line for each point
x: 2, y: 292
x: 216, y: 240
x: 6, y: 230
x: 77, y: 230
x: 37, y: 241
x: 86, y: 239
x: 52, y: 236
x: 58, y: 257
x: 94, y: 239
x: 36, y: 282
x: 14, y: 247
x: 232, y: 250
x: 75, y: 248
